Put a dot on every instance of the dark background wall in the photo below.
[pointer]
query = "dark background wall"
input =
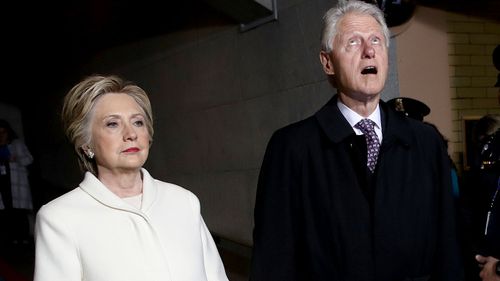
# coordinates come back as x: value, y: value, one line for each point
x: 217, y: 93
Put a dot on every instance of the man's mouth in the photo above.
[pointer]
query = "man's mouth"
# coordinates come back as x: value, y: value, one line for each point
x: 369, y: 70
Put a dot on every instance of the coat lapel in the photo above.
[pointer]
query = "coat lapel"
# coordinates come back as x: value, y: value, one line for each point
x: 332, y: 122
x: 97, y: 190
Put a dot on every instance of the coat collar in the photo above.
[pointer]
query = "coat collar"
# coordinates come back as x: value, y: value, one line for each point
x: 97, y: 190
x: 395, y: 128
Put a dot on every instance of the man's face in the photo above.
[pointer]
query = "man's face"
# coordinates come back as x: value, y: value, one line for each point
x: 359, y: 58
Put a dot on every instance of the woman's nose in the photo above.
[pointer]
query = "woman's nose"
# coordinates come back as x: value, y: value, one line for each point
x: 129, y: 132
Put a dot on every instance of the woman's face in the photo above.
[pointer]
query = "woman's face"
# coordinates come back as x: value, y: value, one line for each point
x: 120, y: 139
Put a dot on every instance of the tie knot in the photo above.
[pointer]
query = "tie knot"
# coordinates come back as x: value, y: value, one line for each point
x: 365, y: 125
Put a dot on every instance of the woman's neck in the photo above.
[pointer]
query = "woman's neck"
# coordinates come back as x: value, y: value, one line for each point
x: 123, y: 184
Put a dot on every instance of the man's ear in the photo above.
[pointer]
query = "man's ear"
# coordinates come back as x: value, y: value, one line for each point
x: 327, y: 63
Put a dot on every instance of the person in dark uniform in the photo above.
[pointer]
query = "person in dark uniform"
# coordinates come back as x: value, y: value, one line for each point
x: 482, y: 204
x: 489, y: 248
x: 356, y: 191
x: 410, y: 107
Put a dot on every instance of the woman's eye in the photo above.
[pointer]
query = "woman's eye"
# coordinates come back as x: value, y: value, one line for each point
x: 139, y: 123
x: 112, y: 124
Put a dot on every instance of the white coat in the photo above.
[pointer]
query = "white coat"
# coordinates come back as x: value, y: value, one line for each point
x: 91, y: 234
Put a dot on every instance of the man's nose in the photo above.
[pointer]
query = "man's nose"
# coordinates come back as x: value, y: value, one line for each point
x: 368, y: 51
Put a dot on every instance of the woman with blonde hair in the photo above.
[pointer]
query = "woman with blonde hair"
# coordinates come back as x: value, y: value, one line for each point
x: 120, y: 223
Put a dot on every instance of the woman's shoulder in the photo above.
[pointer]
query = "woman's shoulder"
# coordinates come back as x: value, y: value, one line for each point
x: 163, y: 186
x: 63, y: 203
x: 172, y: 196
x: 173, y: 189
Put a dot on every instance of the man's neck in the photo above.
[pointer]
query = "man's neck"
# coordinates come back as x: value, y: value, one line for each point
x: 364, y: 105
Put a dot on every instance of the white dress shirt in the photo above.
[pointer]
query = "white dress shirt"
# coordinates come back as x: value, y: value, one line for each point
x: 353, y: 118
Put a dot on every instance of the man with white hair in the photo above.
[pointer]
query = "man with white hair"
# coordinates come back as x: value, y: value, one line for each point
x: 356, y: 192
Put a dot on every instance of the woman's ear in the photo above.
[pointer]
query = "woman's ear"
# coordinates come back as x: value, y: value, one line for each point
x: 327, y: 62
x: 88, y: 151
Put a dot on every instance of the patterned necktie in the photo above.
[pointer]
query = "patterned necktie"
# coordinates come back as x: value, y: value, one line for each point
x: 372, y: 143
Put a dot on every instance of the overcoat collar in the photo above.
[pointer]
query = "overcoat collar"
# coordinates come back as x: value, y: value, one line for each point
x: 97, y: 190
x: 333, y: 123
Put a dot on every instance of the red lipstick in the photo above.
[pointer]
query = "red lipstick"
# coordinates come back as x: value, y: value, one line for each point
x: 131, y: 149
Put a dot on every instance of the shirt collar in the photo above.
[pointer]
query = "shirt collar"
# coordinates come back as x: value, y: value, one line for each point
x: 353, y: 118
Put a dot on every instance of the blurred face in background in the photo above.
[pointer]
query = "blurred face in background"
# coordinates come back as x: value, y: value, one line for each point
x: 120, y: 138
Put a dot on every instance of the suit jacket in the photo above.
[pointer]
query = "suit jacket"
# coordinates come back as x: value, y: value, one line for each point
x: 320, y: 216
x: 91, y: 234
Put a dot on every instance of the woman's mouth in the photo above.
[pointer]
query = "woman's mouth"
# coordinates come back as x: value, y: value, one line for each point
x: 131, y: 149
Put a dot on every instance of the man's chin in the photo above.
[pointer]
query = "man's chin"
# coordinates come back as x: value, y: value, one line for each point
x: 369, y: 93
x: 372, y: 90
x: 352, y: 98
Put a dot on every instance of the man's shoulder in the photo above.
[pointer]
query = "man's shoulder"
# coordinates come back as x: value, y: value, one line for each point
x: 418, y: 134
x: 408, y: 125
x: 297, y: 131
x: 425, y: 130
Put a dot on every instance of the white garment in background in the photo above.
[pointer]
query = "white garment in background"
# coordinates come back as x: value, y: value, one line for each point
x: 21, y: 191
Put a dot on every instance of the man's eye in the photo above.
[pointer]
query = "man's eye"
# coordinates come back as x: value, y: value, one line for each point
x: 376, y: 40
x: 353, y: 42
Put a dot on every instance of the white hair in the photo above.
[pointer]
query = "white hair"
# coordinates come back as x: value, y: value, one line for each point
x: 333, y: 16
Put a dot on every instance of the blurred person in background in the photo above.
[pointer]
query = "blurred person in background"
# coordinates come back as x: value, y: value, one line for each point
x: 482, y: 202
x: 15, y: 191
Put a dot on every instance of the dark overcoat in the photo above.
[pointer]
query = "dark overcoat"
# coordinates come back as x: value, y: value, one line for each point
x: 318, y: 216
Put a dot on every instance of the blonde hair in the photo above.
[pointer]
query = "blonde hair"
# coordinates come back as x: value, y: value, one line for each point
x: 78, y: 107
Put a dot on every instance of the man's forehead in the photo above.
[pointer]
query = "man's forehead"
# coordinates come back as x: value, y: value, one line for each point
x: 356, y: 26
x: 358, y: 22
